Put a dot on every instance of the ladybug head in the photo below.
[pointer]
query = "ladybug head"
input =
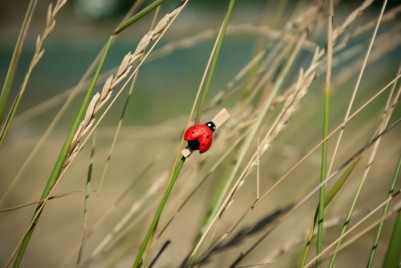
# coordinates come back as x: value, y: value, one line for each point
x: 211, y: 125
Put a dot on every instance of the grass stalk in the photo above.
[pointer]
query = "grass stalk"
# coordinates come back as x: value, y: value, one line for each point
x: 9, y: 80
x: 121, y: 120
x: 152, y: 228
x: 247, y: 144
x: 363, y: 232
x: 65, y: 151
x: 359, y: 152
x: 216, y: 54
x: 60, y: 113
x: 323, y: 170
x: 392, y: 258
x: 328, y: 198
x: 138, y: 16
x: 38, y: 54
x: 380, y: 227
x: 86, y: 203
x: 358, y: 82
x: 62, y: 156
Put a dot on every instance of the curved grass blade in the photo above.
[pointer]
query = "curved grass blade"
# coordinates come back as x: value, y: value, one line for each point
x: 156, y: 218
x: 38, y: 54
x: 323, y: 169
x: 62, y: 156
x: 329, y: 196
x: 216, y: 54
x: 8, y: 82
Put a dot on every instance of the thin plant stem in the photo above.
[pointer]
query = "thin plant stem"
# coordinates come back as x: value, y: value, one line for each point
x: 329, y: 196
x: 364, y: 231
x: 39, y: 51
x: 323, y: 170
x: 58, y: 116
x: 156, y: 217
x: 63, y: 154
x: 394, y: 247
x: 86, y: 203
x: 138, y: 16
x: 120, y: 121
x: 392, y: 258
x: 57, y: 169
x: 215, y: 57
x: 247, y: 144
x: 9, y: 80
x: 358, y: 82
x: 316, y: 189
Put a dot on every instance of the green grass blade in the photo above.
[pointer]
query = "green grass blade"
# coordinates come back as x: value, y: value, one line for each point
x: 62, y: 156
x: 328, y: 198
x: 37, y: 56
x: 62, y: 110
x: 340, y: 182
x: 9, y: 80
x: 156, y: 218
x: 216, y: 55
x: 394, y: 248
x: 323, y: 169
x: 138, y: 16
x: 392, y: 258
x: 249, y: 139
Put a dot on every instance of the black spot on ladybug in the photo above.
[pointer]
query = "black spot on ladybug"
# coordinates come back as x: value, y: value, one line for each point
x: 193, y: 132
x: 207, y: 137
x: 203, y: 144
x: 194, y: 144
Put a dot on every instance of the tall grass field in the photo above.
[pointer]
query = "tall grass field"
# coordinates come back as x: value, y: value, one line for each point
x: 304, y: 173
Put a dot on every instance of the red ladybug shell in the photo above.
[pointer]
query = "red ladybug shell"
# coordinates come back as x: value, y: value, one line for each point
x: 202, y: 133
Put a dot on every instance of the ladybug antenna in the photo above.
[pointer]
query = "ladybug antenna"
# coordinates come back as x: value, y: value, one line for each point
x: 211, y: 125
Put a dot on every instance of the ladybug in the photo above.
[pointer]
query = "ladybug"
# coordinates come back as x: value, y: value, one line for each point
x: 200, y: 136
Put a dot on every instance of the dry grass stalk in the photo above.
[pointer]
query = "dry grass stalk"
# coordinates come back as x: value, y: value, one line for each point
x: 227, y: 199
x: 311, y: 70
x: 361, y: 72
x: 100, y: 99
x: 38, y: 54
x: 388, y: 111
x: 233, y: 29
x: 389, y: 42
x: 395, y: 209
x: 243, y: 234
x: 240, y: 182
x: 389, y: 16
x: 50, y: 23
x: 136, y: 206
x: 303, y: 83
x: 328, y: 223
x: 351, y: 18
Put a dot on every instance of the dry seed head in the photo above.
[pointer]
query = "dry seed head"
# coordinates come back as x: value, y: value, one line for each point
x: 102, y: 102
x: 49, y: 14
x: 91, y: 108
x: 143, y: 43
x: 124, y: 64
x: 100, y: 99
x: 106, y: 87
x: 121, y: 77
